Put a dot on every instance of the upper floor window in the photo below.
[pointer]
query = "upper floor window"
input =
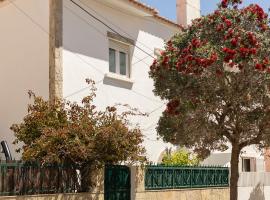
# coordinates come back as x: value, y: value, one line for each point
x: 119, y: 58
x: 120, y: 54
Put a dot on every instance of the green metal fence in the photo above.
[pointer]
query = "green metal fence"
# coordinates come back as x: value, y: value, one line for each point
x: 18, y: 178
x: 177, y: 177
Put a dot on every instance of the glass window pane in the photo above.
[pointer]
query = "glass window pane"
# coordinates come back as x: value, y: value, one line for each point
x: 123, y: 63
x: 112, y: 61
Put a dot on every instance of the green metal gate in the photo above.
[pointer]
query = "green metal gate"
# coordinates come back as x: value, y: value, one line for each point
x: 117, y: 183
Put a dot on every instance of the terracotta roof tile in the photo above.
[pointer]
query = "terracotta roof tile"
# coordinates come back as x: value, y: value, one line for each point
x: 144, y: 6
x: 154, y: 12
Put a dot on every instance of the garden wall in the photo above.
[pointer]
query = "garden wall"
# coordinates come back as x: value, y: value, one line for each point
x: 194, y: 194
x: 137, y: 191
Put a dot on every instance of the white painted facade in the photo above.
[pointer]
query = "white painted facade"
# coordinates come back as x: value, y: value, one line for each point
x: 86, y: 55
x: 255, y: 156
x: 24, y: 59
x: 254, y: 186
x: 25, y: 62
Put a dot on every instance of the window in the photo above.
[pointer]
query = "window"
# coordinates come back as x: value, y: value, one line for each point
x: 248, y: 164
x: 119, y: 58
x: 112, y: 60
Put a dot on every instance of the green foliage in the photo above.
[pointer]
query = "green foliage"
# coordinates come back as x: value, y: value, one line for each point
x: 180, y: 157
x: 78, y: 134
x: 215, y: 76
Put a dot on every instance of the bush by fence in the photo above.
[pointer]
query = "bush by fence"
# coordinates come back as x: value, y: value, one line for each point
x: 18, y: 178
x: 177, y: 177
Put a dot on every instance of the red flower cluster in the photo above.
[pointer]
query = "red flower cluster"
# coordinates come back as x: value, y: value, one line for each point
x: 189, y: 63
x: 259, y: 66
x: 252, y: 39
x: 263, y: 66
x: 229, y: 54
x: 257, y: 11
x: 244, y: 52
x: 165, y: 61
x: 172, y: 107
x: 228, y: 22
x: 154, y: 65
x: 238, y: 44
x: 225, y: 3
x: 170, y: 46
x: 234, y: 42
x: 224, y: 26
x: 196, y: 42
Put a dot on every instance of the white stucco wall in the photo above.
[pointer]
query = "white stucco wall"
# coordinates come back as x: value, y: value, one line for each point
x: 254, y: 186
x: 23, y: 59
x: 224, y: 158
x: 86, y: 56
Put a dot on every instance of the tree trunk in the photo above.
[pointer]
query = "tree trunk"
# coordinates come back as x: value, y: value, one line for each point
x: 234, y: 172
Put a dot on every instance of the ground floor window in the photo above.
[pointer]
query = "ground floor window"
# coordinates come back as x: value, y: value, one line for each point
x: 248, y: 164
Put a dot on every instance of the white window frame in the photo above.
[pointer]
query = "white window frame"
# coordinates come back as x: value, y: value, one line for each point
x: 120, y: 47
x: 253, y: 164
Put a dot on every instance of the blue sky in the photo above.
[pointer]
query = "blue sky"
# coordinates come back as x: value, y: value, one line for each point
x: 167, y: 7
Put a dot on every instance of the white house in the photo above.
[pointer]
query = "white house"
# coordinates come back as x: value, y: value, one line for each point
x: 51, y: 47
x: 119, y: 65
x: 111, y: 41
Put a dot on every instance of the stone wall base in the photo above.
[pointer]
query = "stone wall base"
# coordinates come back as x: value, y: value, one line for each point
x: 82, y: 196
x: 190, y: 194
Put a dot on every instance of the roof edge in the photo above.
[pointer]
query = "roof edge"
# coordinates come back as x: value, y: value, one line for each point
x: 155, y: 13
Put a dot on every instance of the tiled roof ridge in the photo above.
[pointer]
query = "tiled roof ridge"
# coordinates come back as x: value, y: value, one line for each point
x: 155, y: 13
x: 144, y: 6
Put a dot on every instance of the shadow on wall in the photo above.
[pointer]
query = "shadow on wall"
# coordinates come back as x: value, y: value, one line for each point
x: 257, y: 193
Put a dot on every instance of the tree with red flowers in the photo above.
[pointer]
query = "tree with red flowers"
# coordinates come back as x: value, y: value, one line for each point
x: 216, y: 78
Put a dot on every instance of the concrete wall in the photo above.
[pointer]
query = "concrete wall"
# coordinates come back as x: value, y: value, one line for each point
x: 259, y: 192
x: 254, y: 186
x: 24, y: 48
x: 86, y: 55
x: 84, y: 196
x: 209, y: 194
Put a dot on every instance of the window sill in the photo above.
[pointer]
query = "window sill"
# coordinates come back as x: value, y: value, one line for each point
x: 118, y: 80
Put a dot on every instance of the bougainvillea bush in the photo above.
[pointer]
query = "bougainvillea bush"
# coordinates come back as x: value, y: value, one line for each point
x: 216, y: 78
x: 78, y: 134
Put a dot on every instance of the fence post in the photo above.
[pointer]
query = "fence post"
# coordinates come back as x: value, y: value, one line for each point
x: 137, y: 178
x: 97, y: 177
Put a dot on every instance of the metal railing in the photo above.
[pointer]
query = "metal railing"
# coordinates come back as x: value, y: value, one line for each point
x: 18, y: 178
x: 178, y: 177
